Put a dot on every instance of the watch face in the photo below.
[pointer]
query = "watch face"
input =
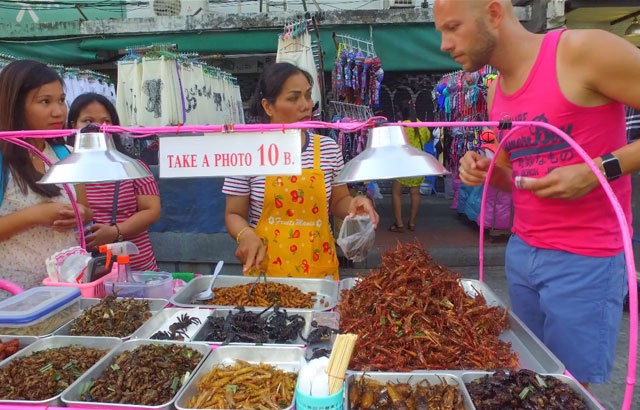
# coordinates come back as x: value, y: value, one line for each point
x: 611, y: 167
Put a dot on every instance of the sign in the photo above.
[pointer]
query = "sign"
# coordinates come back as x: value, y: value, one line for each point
x: 231, y: 154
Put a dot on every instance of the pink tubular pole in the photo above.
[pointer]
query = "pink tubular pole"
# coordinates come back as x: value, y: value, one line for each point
x: 626, y: 237
x: 354, y: 126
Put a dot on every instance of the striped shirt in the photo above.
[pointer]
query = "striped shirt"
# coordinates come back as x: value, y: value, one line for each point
x: 331, y: 162
x: 633, y: 124
x: 100, y: 197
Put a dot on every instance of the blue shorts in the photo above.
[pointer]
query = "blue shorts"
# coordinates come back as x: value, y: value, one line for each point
x: 573, y: 303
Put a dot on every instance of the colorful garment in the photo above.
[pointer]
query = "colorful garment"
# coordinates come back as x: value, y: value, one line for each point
x: 417, y: 137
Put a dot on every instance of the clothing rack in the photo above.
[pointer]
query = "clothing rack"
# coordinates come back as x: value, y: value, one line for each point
x: 352, y: 111
x: 355, y: 42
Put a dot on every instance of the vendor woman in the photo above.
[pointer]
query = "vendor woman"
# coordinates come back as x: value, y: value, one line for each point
x: 281, y: 223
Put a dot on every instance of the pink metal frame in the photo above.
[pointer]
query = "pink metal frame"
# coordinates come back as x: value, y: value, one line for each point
x: 14, y: 136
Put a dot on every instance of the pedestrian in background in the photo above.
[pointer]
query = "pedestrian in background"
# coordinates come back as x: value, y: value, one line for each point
x: 417, y: 138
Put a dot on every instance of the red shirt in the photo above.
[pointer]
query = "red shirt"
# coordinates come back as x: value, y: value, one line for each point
x: 100, y: 197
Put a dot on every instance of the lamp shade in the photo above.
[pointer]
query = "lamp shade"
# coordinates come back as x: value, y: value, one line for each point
x: 388, y: 155
x: 634, y: 29
x: 94, y: 159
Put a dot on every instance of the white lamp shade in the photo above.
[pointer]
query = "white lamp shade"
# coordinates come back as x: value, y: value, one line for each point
x: 388, y: 155
x: 94, y: 159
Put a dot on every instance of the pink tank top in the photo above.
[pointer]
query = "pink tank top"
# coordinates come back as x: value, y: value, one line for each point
x: 586, y: 226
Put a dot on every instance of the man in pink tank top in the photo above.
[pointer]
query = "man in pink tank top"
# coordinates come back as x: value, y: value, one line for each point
x: 565, y: 263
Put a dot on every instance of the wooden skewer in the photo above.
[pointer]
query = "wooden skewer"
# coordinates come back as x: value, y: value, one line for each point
x: 339, y: 360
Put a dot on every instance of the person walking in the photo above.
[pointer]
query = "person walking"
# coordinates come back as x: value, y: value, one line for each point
x: 564, y: 261
x: 417, y: 138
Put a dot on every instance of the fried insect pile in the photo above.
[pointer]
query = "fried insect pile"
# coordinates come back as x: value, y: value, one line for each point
x: 45, y: 373
x: 245, y: 386
x: 149, y: 375
x: 254, y: 327
x: 263, y: 295
x: 8, y: 348
x: 111, y: 317
x: 412, y: 313
x: 178, y: 329
x: 523, y: 389
x: 366, y: 393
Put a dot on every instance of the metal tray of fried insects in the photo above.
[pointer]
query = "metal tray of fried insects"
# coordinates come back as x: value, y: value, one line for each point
x: 532, y: 353
x: 72, y: 395
x: 53, y: 342
x: 23, y: 341
x: 326, y: 291
x: 414, y: 378
x: 576, y: 387
x: 286, y: 358
x: 155, y: 306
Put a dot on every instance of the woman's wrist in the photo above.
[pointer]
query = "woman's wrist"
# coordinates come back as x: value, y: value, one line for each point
x: 241, y: 233
x: 118, y: 233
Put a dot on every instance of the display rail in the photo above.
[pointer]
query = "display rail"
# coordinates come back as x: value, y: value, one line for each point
x: 140, y: 132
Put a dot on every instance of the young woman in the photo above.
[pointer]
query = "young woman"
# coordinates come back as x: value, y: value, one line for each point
x: 124, y: 214
x: 417, y: 138
x: 281, y: 223
x: 35, y: 220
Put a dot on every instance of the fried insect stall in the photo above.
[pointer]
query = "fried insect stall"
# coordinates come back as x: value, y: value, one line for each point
x: 366, y: 393
x: 523, y: 389
x: 263, y: 295
x: 412, y: 313
x: 111, y: 317
x: 149, y: 375
x: 245, y: 385
x: 45, y: 373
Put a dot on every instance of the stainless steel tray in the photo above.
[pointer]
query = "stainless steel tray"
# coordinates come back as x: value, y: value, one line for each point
x: 308, y: 318
x: 413, y: 379
x: 164, y: 318
x: 155, y: 306
x: 52, y: 342
x: 325, y: 289
x: 23, y: 341
x: 71, y: 396
x: 286, y: 358
x: 592, y: 404
x: 532, y: 353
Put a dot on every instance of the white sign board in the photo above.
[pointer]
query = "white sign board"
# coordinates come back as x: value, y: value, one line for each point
x: 231, y: 154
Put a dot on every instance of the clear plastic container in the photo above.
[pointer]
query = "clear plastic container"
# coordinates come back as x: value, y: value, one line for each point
x: 38, y: 311
x: 148, y: 285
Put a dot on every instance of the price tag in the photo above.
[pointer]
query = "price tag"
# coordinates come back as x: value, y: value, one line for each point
x: 231, y: 154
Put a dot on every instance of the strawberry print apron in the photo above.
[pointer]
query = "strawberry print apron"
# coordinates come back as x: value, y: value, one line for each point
x: 295, y: 225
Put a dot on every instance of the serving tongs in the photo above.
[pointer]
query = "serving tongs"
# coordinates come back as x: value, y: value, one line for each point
x: 262, y: 275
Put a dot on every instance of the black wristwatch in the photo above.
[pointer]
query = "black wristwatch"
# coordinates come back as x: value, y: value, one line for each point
x: 611, y: 167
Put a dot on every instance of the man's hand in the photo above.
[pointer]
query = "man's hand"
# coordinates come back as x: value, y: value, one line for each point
x: 473, y: 168
x: 568, y: 182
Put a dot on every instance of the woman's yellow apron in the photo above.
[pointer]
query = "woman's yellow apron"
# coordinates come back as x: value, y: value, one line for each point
x: 294, y: 225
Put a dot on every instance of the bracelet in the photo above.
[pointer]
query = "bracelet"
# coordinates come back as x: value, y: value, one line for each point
x: 119, y: 235
x: 240, y: 233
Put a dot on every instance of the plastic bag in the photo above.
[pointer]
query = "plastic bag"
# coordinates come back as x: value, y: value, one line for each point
x: 356, y: 237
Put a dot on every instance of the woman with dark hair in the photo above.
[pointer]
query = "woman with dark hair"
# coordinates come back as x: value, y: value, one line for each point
x: 281, y: 223
x: 417, y: 137
x: 125, y: 212
x: 35, y: 220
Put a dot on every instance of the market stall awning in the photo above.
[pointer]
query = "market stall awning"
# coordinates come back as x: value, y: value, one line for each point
x: 407, y: 47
